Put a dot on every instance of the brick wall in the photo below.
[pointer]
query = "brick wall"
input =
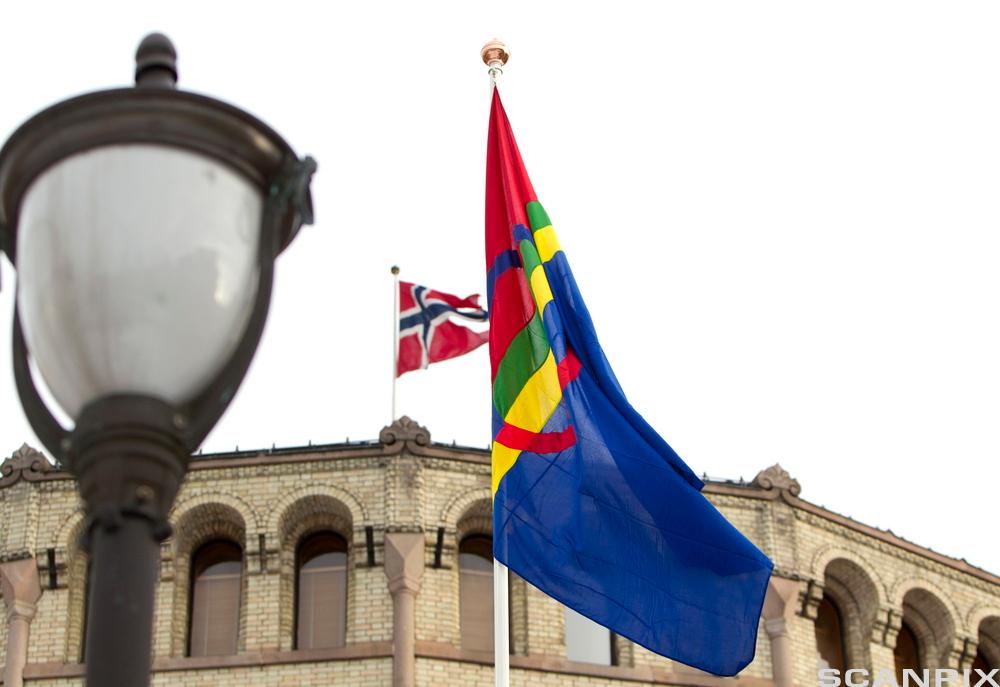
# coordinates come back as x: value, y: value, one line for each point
x: 267, y: 502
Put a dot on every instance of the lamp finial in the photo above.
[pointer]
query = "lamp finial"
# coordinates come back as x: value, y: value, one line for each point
x: 156, y: 62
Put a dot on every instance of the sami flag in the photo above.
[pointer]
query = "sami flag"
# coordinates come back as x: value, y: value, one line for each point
x: 427, y: 334
x: 590, y: 504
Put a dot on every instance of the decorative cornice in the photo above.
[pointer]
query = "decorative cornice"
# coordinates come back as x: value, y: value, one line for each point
x: 25, y: 463
x: 441, y: 651
x: 404, y: 431
x: 776, y: 477
x: 770, y: 485
x: 255, y: 659
x: 598, y: 674
x: 889, y: 543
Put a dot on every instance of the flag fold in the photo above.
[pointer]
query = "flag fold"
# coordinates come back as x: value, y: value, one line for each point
x: 591, y: 505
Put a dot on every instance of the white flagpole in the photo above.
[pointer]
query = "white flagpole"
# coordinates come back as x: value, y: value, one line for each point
x: 501, y: 625
x: 395, y: 336
x: 495, y: 55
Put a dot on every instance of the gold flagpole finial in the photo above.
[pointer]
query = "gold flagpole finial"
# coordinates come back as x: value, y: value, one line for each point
x: 495, y: 55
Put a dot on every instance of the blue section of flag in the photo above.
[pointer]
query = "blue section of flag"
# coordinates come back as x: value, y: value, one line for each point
x: 616, y: 527
x: 521, y: 233
x: 505, y: 261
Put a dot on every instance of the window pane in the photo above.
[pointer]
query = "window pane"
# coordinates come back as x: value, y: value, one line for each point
x: 215, y: 599
x: 829, y: 636
x: 479, y: 545
x: 475, y: 565
x: 586, y: 641
x: 322, y: 592
x: 906, y: 653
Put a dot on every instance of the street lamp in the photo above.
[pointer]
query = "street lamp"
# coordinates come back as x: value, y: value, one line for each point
x: 143, y: 224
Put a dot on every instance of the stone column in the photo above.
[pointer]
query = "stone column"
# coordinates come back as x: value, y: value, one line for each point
x: 404, y: 566
x: 263, y: 585
x: 964, y: 652
x: 779, y: 607
x: 21, y: 591
x: 888, y: 622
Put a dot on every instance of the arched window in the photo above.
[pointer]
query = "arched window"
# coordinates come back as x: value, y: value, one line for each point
x: 588, y: 642
x: 216, y: 585
x: 907, y: 652
x: 830, y: 636
x: 988, y: 651
x: 475, y: 569
x: 321, y: 591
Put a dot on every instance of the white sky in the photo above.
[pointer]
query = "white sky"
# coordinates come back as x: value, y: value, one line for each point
x: 783, y: 216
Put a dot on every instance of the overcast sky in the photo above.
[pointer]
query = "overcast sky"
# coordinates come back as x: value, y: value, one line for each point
x: 783, y: 215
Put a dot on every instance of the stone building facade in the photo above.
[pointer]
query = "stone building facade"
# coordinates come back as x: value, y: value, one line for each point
x: 403, y: 506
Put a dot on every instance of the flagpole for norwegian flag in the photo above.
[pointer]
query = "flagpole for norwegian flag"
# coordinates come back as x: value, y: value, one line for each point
x: 395, y: 336
x: 495, y: 55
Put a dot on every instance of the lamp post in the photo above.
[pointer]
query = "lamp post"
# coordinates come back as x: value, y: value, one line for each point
x: 143, y: 224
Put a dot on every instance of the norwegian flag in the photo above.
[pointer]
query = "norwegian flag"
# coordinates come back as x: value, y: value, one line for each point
x: 427, y: 334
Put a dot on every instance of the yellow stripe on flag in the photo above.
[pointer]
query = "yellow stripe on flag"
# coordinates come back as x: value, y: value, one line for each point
x: 540, y: 288
x: 547, y: 243
x: 538, y: 399
x: 504, y: 458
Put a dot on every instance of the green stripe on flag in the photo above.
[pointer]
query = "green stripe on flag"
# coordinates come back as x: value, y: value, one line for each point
x: 526, y: 353
x: 537, y: 215
x: 529, y: 257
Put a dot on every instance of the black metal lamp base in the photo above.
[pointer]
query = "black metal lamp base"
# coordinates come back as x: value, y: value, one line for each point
x: 128, y: 457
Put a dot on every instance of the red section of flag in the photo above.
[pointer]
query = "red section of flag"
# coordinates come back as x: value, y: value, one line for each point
x: 407, y: 300
x: 508, y: 189
x: 511, y: 287
x: 568, y: 368
x: 543, y: 442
